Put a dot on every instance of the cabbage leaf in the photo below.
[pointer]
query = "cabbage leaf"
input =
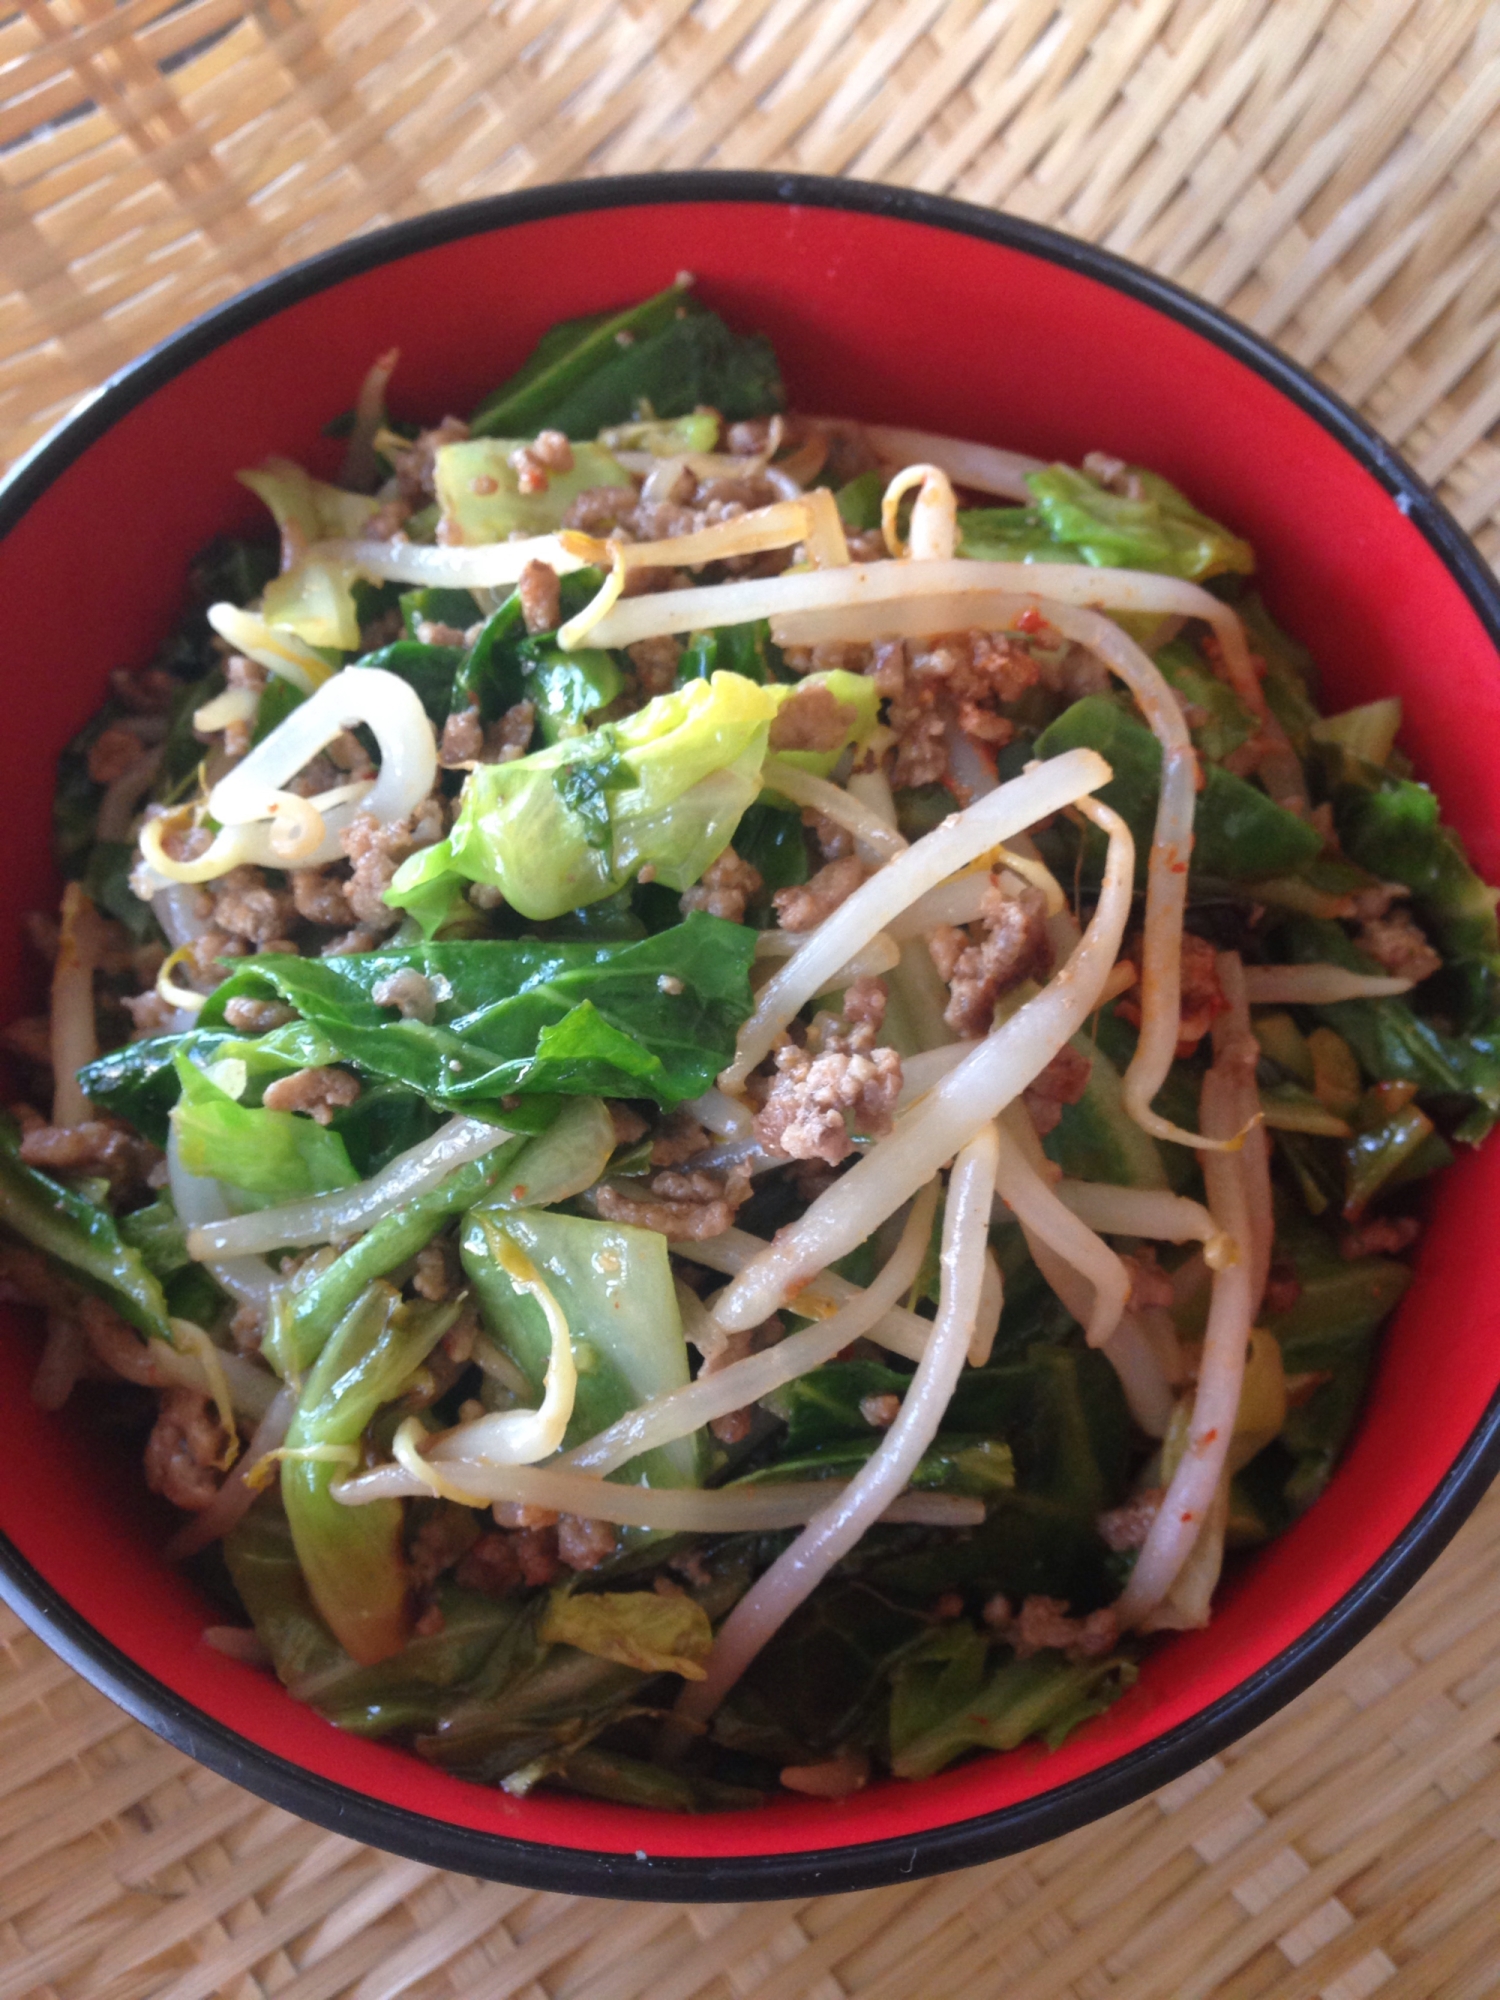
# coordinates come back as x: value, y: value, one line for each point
x: 636, y: 1628
x: 272, y: 1156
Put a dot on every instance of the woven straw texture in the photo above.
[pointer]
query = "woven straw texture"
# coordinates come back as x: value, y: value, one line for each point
x: 1329, y: 170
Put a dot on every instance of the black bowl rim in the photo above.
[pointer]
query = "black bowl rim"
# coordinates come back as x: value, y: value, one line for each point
x: 874, y: 1864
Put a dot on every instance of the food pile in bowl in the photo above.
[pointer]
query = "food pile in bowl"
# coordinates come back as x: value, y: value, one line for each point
x: 733, y: 1092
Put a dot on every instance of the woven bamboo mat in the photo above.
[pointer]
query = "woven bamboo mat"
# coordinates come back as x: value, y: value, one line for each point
x: 1329, y: 170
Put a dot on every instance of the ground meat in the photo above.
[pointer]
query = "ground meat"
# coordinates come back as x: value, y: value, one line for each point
x: 628, y: 1123
x: 149, y: 1015
x: 1395, y: 942
x: 880, y: 1412
x: 256, y: 1017
x: 534, y: 463
x: 184, y: 1450
x: 584, y: 1544
x: 840, y: 1077
x: 247, y: 906
x: 725, y: 888
x: 1382, y: 1236
x: 678, y: 1138
x: 378, y: 851
x: 247, y: 1328
x: 957, y: 678
x: 654, y: 662
x: 1011, y: 945
x: 318, y: 1092
x: 411, y: 993
x: 463, y: 739
x: 433, y: 1277
x: 834, y: 841
x: 814, y: 1099
x: 1150, y: 1285
x: 599, y: 510
x: 414, y: 467
x: 96, y: 1147
x: 444, y: 1536
x: 1063, y: 1081
x: 144, y: 690
x: 112, y: 753
x: 1202, y: 996
x: 202, y: 961
x: 1127, y: 1527
x: 506, y: 1558
x: 690, y: 1206
x: 319, y: 897
x: 804, y: 907
x: 812, y: 719
x: 510, y: 737
x: 539, y: 592
x: 1043, y: 1625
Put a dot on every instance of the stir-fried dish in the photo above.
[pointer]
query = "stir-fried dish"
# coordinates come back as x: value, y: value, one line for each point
x: 731, y: 1092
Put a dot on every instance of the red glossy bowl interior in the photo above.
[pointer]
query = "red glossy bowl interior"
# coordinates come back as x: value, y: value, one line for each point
x: 874, y: 316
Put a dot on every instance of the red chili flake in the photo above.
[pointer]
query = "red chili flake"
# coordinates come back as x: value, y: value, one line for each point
x: 1187, y: 1517
x: 1030, y: 620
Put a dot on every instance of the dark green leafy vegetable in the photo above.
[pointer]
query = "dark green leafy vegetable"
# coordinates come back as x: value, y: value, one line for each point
x: 674, y: 355
x: 157, y: 1234
x: 79, y: 1236
x: 1226, y: 722
x: 569, y: 689
x: 1239, y: 833
x: 939, y: 1709
x: 427, y: 670
x: 735, y: 649
x: 519, y: 1016
x: 859, y: 502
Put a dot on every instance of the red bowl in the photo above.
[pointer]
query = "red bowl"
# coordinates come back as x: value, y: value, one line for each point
x: 885, y: 305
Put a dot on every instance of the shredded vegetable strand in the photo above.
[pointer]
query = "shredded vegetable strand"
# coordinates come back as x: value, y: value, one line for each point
x: 934, y: 1129
x: 1042, y: 790
x: 833, y: 1532
x: 486, y: 566
x: 324, y: 1217
x: 668, y: 1510
x: 934, y: 514
x: 1151, y: 1212
x: 1036, y: 1207
x: 898, y: 1331
x: 835, y: 804
x: 520, y: 1437
x: 1316, y: 985
x: 1190, y: 1495
x: 984, y: 467
x: 237, y: 1495
x: 683, y: 1411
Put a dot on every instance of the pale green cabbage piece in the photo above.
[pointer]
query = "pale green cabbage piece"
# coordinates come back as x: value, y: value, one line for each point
x: 479, y: 490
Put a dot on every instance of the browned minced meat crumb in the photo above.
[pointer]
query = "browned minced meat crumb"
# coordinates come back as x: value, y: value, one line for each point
x: 1043, y: 1625
x: 812, y: 719
x: 1395, y: 942
x: 1150, y: 1285
x: 628, y: 1123
x: 834, y: 841
x: 534, y: 463
x: 378, y: 851
x: 654, y: 662
x: 880, y: 1412
x: 463, y: 739
x: 803, y: 907
x: 319, y: 1092
x: 256, y: 1017
x: 112, y: 753
x: 582, y: 1543
x: 733, y: 1427
x: 414, y: 466
x: 680, y: 1206
x: 1011, y: 945
x: 838, y: 1078
x: 183, y: 1451
x: 247, y: 906
x: 410, y: 992
x: 96, y: 1146
x: 319, y: 898
x: 247, y: 1328
x: 960, y: 677
x: 433, y: 1277
x: 503, y: 1559
x: 1062, y: 1082
x: 433, y: 632
x: 1382, y: 1236
x: 541, y: 601
x: 598, y: 510
x: 678, y: 1138
x: 1202, y: 996
x: 144, y: 690
x: 443, y: 1537
x: 1127, y: 1527
x: 725, y: 888
x: 149, y: 1015
x: 203, y: 955
x: 466, y: 741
